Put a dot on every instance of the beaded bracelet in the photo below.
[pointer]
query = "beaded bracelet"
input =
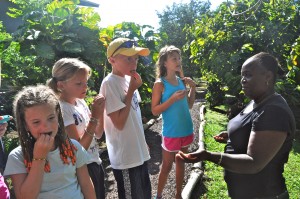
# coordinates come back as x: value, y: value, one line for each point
x: 42, y: 159
x: 220, y: 160
x: 89, y: 133
x: 92, y: 119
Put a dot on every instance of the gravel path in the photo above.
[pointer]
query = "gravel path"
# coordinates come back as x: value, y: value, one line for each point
x: 153, y: 139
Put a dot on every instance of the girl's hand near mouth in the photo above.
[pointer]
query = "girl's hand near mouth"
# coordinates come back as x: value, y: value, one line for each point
x: 43, y: 145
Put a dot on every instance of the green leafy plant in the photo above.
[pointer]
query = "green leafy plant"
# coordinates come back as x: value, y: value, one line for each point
x: 56, y: 29
x: 51, y: 30
x: 223, y: 39
x: 10, y: 142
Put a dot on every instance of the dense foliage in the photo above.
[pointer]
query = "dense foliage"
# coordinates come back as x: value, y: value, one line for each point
x: 174, y: 21
x: 215, y: 43
x: 56, y: 29
x: 226, y: 37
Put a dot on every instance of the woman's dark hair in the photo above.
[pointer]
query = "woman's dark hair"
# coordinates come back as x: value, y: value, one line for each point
x: 269, y: 62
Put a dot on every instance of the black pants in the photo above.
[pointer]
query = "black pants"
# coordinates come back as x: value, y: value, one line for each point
x: 140, y: 184
x: 96, y: 172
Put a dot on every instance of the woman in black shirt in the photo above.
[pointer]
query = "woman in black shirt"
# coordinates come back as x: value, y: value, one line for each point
x: 259, y: 139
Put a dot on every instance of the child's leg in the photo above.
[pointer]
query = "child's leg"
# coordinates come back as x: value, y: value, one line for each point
x: 140, y: 182
x: 120, y: 183
x: 167, y: 162
x: 185, y: 142
x: 180, y: 167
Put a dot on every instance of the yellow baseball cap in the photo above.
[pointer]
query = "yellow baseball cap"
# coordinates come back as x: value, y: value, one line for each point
x: 127, y: 47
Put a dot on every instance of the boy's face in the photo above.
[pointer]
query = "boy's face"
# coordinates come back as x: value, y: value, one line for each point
x: 124, y: 65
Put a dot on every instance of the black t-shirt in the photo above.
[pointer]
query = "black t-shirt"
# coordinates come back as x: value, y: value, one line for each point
x: 273, y: 114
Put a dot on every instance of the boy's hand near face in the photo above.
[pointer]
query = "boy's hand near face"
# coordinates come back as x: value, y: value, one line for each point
x: 135, y: 81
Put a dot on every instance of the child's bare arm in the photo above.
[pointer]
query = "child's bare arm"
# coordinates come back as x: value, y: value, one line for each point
x: 192, y: 92
x: 85, y: 183
x: 28, y: 185
x: 95, y: 126
x: 157, y: 90
x: 85, y: 140
x: 119, y: 117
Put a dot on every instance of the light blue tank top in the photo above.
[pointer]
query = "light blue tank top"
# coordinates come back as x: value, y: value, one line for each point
x: 177, y: 121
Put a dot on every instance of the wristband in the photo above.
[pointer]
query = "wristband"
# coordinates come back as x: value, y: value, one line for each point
x: 42, y: 159
x: 220, y: 160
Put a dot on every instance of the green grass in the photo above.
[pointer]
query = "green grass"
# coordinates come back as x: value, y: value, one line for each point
x: 215, y: 184
x: 292, y: 171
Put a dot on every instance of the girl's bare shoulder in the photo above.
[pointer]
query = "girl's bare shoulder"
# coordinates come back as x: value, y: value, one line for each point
x: 158, y: 84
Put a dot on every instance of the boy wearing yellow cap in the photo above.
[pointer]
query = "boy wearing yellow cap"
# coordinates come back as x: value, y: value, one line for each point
x: 125, y: 139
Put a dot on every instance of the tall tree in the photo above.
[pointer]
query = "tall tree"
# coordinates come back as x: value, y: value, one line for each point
x: 174, y: 20
x: 239, y: 29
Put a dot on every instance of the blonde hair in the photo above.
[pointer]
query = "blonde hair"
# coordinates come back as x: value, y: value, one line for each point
x: 161, y: 70
x: 64, y: 69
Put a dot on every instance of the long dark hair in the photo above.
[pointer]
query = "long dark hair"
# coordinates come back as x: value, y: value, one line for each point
x: 269, y: 62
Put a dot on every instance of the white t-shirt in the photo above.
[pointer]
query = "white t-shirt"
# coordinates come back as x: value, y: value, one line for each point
x: 61, y: 182
x: 79, y: 115
x: 126, y: 148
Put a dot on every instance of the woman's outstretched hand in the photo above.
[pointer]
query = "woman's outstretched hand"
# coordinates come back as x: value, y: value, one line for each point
x: 191, y: 157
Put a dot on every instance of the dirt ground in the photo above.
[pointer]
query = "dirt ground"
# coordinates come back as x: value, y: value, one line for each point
x: 153, y: 138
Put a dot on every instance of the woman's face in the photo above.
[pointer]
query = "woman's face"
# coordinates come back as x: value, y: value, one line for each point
x: 255, y: 79
x: 41, y: 119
